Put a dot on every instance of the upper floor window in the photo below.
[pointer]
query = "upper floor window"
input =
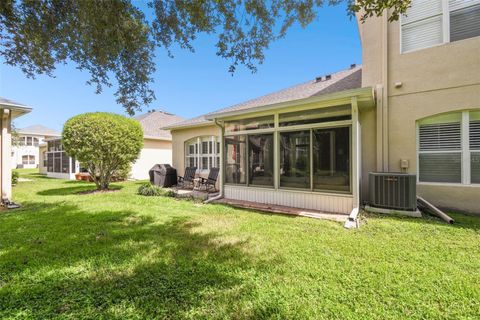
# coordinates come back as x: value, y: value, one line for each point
x: 449, y: 148
x: 202, y: 153
x: 432, y: 22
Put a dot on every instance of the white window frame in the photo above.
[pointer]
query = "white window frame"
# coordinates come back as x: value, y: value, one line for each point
x: 199, y: 152
x: 465, y: 153
x: 445, y: 25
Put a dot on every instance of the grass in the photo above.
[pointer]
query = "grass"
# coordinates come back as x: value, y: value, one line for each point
x: 120, y: 255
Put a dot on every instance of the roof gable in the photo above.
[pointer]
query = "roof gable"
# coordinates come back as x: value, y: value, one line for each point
x: 153, y: 121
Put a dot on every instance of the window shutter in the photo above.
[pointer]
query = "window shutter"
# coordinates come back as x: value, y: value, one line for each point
x: 422, y: 26
x: 474, y: 138
x: 440, y: 137
x: 465, y: 23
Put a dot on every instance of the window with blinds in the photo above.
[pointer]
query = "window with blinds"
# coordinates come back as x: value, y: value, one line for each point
x: 474, y: 141
x: 440, y: 152
x: 464, y: 19
x: 431, y: 22
x: 445, y: 142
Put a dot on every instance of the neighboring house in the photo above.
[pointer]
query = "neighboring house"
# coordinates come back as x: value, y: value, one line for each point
x: 9, y: 110
x: 416, y: 98
x: 55, y: 162
x: 157, y: 143
x: 25, y: 148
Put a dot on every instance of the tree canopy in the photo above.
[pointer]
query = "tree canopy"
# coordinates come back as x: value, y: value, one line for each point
x: 114, y: 39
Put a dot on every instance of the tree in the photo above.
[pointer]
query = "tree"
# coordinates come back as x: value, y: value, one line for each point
x: 114, y: 38
x: 104, y: 142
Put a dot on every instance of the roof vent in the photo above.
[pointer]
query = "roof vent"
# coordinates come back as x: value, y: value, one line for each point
x: 328, y: 77
x: 318, y: 79
x: 353, y: 66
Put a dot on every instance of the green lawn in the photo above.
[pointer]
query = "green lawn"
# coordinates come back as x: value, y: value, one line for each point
x: 120, y: 255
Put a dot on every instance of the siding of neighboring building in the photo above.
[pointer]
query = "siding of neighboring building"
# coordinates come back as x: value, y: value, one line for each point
x: 153, y: 152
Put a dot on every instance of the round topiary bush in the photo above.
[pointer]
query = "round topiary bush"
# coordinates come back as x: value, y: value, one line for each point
x: 104, y: 142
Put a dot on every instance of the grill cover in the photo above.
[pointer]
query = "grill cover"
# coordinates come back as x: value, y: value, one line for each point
x: 163, y: 175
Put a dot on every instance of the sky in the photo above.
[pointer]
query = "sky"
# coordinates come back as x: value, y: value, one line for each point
x: 192, y: 84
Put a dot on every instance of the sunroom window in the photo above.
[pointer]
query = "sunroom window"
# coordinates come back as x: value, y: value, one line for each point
x: 295, y: 159
x: 315, y: 116
x: 331, y: 159
x: 235, y: 156
x: 256, y: 123
x: 260, y: 159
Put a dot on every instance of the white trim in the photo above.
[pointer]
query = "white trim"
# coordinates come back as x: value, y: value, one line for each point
x: 465, y: 132
x: 446, y: 184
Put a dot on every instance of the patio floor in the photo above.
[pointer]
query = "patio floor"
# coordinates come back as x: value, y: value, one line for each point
x: 339, y: 217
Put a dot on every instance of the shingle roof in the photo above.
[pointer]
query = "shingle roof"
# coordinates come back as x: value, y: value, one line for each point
x: 11, y: 102
x: 39, y: 130
x: 153, y: 121
x: 339, y: 81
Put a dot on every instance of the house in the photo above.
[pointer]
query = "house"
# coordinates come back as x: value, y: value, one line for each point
x: 9, y: 110
x: 55, y: 162
x: 413, y: 106
x: 157, y: 148
x: 25, y: 148
x: 157, y: 143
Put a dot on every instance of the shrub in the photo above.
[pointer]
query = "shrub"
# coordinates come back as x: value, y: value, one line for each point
x: 152, y: 190
x: 15, y: 176
x: 105, y: 143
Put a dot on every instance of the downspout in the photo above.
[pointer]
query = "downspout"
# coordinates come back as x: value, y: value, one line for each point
x: 385, y: 129
x: 222, y: 166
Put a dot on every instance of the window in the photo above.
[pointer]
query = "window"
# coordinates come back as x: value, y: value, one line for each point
x: 444, y: 154
x: 45, y: 159
x: 331, y: 159
x: 29, y: 141
x: 315, y: 116
x: 432, y: 22
x: 235, y: 156
x: 28, y: 159
x: 35, y: 141
x: 474, y: 137
x: 202, y: 153
x: 464, y: 19
x: 260, y: 159
x: 265, y: 122
x: 295, y: 159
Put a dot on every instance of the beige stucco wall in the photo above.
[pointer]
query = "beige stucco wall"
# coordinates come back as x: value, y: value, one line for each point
x: 433, y: 80
x: 5, y: 154
x: 179, y: 137
x: 153, y: 152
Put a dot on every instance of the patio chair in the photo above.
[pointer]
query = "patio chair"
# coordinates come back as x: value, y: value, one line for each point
x: 210, y: 182
x: 187, y: 178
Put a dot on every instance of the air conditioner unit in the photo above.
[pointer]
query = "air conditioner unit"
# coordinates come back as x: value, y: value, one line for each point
x: 395, y: 191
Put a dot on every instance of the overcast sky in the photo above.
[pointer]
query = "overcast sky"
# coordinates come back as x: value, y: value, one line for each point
x: 191, y: 84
